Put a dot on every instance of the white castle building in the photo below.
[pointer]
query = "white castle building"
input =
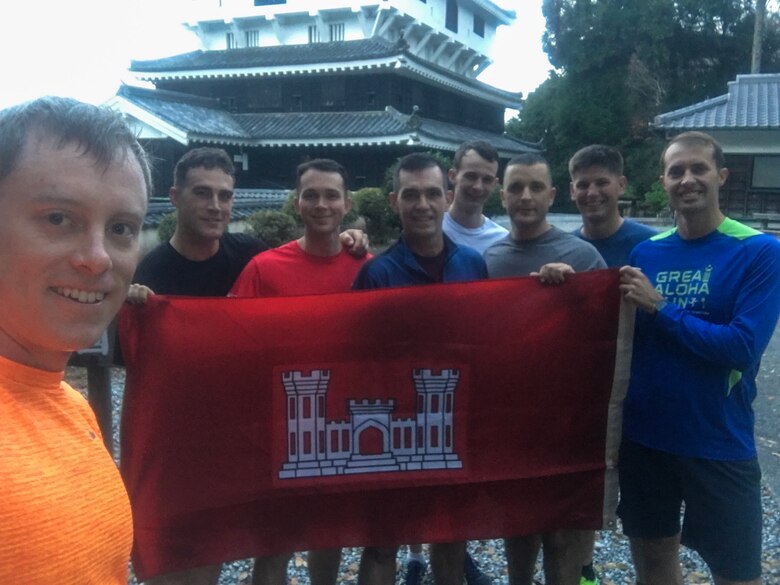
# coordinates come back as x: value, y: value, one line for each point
x: 364, y: 82
x: 371, y: 440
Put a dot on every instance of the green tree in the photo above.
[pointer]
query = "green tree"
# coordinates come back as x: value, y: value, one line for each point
x: 493, y: 206
x: 656, y: 201
x: 167, y: 226
x: 382, y: 223
x: 618, y: 64
x: 273, y: 227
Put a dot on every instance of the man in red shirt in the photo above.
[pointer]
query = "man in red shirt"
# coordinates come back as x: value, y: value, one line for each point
x: 316, y: 263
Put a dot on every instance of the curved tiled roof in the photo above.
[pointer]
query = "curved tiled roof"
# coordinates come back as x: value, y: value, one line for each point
x: 752, y: 102
x: 247, y: 202
x: 291, y: 59
x: 269, y: 56
x: 192, y: 114
x: 204, y: 120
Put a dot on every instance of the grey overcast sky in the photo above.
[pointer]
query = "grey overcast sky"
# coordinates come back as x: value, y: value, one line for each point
x: 82, y: 48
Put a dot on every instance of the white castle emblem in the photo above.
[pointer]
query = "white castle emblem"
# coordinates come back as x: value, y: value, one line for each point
x: 371, y: 440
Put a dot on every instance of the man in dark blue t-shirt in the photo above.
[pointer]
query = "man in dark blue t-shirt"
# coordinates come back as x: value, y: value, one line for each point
x: 597, y: 184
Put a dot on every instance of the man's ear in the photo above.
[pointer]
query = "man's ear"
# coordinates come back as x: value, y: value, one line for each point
x: 503, y: 198
x: 297, y: 203
x: 623, y: 182
x: 392, y: 199
x: 723, y: 174
x: 173, y: 195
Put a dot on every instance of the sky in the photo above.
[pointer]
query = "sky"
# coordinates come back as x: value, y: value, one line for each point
x: 82, y: 48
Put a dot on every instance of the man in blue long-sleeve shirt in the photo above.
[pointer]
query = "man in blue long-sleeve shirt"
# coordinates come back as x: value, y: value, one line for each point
x: 709, y: 298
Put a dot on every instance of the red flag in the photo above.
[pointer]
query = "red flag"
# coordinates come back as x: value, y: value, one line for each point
x: 422, y: 414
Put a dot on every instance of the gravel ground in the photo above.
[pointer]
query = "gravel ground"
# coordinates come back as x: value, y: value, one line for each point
x: 611, y: 560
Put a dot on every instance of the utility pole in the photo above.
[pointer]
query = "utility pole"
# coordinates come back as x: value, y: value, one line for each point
x: 758, y: 36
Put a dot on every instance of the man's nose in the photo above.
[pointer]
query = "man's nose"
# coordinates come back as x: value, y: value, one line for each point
x: 92, y: 254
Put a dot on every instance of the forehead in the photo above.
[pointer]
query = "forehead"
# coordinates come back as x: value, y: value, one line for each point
x: 473, y: 161
x: 214, y: 176
x: 689, y: 153
x: 47, y: 169
x: 421, y: 179
x: 527, y: 173
x: 317, y: 179
x: 593, y: 173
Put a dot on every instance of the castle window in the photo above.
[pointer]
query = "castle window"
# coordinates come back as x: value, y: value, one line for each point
x: 419, y: 437
x: 314, y: 33
x: 345, y: 440
x: 334, y: 94
x: 292, y: 408
x: 334, y: 441
x: 479, y: 26
x: 252, y: 38
x: 435, y: 403
x: 396, y: 438
x: 230, y: 41
x: 766, y: 172
x: 451, y: 17
x: 407, y: 438
x: 322, y: 441
x: 320, y: 406
x: 448, y: 403
x: 306, y: 407
x: 434, y: 437
x: 337, y: 31
x: 420, y: 404
x: 448, y: 436
x: 292, y: 443
x: 307, y: 442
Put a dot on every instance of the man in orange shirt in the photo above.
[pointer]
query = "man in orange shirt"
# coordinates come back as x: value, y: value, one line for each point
x: 73, y: 188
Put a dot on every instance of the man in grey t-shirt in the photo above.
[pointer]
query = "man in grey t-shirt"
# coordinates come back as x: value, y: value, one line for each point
x: 531, y: 245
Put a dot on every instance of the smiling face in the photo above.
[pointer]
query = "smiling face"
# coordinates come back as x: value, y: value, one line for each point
x: 692, y: 179
x: 527, y: 195
x: 421, y: 202
x: 322, y: 202
x: 204, y: 202
x: 69, y: 244
x: 596, y: 192
x: 473, y: 182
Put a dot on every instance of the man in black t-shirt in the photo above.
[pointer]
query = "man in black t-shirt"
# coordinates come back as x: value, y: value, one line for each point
x: 202, y: 258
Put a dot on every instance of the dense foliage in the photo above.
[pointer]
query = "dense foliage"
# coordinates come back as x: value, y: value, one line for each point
x: 618, y: 64
x: 167, y: 226
x: 273, y: 227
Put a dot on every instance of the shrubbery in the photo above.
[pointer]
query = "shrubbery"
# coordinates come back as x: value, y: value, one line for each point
x: 382, y: 223
x: 656, y: 201
x: 167, y: 226
x: 273, y: 227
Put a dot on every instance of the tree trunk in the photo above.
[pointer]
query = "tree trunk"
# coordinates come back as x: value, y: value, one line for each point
x: 758, y: 36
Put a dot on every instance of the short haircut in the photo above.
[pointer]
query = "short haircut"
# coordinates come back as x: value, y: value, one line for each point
x: 99, y: 132
x: 206, y: 157
x: 324, y: 165
x: 418, y: 161
x: 597, y: 155
x: 695, y: 138
x: 482, y: 148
